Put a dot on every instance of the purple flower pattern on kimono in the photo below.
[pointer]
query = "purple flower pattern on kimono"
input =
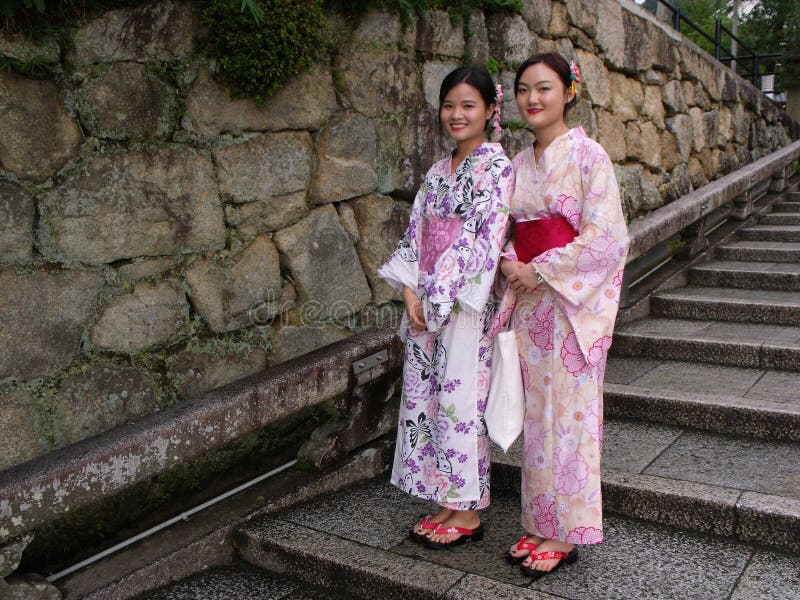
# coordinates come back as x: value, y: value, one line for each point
x: 442, y: 449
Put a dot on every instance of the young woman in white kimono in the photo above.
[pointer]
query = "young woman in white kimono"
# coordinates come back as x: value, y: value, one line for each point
x: 563, y: 270
x: 445, y: 266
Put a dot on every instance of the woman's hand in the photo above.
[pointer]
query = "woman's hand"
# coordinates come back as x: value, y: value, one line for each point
x: 509, y: 267
x: 525, y: 278
x: 414, y: 310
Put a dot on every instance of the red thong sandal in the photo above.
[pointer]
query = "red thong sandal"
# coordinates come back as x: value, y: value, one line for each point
x: 467, y: 535
x: 426, y: 525
x: 565, y: 557
x: 522, y: 544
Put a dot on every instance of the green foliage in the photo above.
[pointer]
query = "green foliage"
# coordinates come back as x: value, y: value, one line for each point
x: 493, y: 66
x: 33, y: 66
x: 774, y: 26
x: 259, y: 50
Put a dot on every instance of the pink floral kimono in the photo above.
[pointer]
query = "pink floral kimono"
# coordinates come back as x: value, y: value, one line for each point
x: 449, y: 256
x: 564, y: 330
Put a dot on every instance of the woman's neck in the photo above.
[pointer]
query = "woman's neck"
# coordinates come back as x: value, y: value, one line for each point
x: 545, y: 136
x: 463, y: 150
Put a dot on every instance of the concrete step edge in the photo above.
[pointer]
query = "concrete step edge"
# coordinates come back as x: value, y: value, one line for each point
x: 748, y: 516
x: 724, y: 309
x: 361, y: 571
x: 709, y: 412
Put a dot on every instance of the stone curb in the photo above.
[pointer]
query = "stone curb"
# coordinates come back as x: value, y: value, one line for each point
x: 711, y: 306
x: 709, y: 412
x: 759, y: 252
x: 763, y: 276
x: 48, y: 487
x: 362, y: 571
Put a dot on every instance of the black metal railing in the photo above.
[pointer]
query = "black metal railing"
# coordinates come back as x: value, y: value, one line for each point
x: 753, y: 65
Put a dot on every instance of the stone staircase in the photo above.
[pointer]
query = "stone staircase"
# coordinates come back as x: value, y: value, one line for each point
x: 701, y: 464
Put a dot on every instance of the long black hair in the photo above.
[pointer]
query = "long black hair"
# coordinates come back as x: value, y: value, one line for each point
x: 558, y: 64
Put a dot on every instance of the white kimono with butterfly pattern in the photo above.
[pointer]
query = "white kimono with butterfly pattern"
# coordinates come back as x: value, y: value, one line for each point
x: 449, y: 256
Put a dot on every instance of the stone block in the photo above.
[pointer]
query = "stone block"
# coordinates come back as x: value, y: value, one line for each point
x: 630, y: 188
x: 559, y: 20
x: 291, y: 341
x: 38, y: 135
x: 663, y: 48
x: 376, y: 28
x: 724, y: 127
x: 672, y: 97
x: 324, y: 266
x: 348, y: 218
x: 694, y: 94
x: 270, y: 214
x: 670, y: 153
x: 20, y: 429
x: 594, y: 79
x: 437, y: 34
x: 510, y: 40
x: 699, y: 140
x: 44, y: 316
x: 611, y: 135
x: 583, y: 15
x: 155, y: 201
x: 639, y: 53
x: 653, y: 107
x: 683, y: 129
x: 98, y: 399
x: 381, y: 222
x: 141, y: 269
x: 270, y: 164
x: 156, y: 31
x: 305, y: 102
x: 477, y: 45
x: 379, y: 82
x: 581, y: 114
x: 29, y: 586
x: 697, y: 174
x: 225, y: 293
x: 346, y: 151
x: 611, y: 34
x: 537, y: 14
x: 203, y: 371
x: 16, y: 224
x: 150, y: 315
x: 516, y: 141
x: 627, y: 96
x: 126, y: 102
x: 433, y: 72
x: 11, y: 553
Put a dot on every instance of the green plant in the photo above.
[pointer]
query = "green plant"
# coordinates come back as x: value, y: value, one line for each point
x: 32, y: 66
x: 258, y: 51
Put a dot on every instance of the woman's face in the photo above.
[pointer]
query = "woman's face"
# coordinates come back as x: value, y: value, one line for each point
x: 464, y: 114
x: 541, y: 97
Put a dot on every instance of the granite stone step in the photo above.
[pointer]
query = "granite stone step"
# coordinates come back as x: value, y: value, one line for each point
x: 786, y: 252
x: 356, y: 542
x: 753, y: 345
x: 792, y: 206
x: 728, y: 304
x: 756, y: 403
x: 780, y: 219
x: 239, y: 581
x: 771, y: 233
x: 746, y: 275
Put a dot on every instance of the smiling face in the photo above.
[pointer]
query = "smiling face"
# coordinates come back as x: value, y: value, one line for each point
x: 464, y: 114
x: 541, y: 97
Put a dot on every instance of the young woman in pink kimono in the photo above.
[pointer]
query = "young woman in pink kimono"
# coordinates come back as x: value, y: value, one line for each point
x: 445, y: 266
x: 563, y: 274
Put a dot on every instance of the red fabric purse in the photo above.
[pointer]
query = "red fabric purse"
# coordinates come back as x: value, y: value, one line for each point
x: 531, y: 238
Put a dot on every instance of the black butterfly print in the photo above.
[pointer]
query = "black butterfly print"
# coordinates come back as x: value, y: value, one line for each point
x: 415, y: 433
x: 405, y: 251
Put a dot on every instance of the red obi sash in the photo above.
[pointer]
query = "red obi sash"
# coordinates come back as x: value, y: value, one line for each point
x: 531, y: 238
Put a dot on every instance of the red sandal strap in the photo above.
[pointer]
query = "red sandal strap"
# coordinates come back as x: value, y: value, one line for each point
x: 451, y: 530
x: 524, y: 544
x: 550, y: 555
x: 426, y: 523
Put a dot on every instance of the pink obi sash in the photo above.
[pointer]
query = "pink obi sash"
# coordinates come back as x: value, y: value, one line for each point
x: 532, y: 238
x: 437, y: 236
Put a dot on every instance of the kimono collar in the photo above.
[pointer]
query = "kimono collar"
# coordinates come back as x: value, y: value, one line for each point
x: 485, y: 149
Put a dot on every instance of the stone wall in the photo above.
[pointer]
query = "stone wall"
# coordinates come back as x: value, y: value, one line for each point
x: 159, y: 239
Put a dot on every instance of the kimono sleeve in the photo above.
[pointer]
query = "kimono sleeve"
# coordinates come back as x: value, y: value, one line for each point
x: 464, y: 274
x: 402, y: 267
x: 586, y: 274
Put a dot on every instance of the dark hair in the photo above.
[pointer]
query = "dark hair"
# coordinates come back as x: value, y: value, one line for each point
x: 556, y: 62
x: 476, y: 76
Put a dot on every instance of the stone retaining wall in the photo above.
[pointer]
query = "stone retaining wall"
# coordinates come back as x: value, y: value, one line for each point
x: 158, y: 239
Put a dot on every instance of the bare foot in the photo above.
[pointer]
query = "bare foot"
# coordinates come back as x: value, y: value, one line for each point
x: 547, y: 546
x: 437, y: 518
x: 516, y: 552
x: 467, y: 519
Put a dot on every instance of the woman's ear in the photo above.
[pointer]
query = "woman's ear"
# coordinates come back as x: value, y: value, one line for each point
x: 490, y: 111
